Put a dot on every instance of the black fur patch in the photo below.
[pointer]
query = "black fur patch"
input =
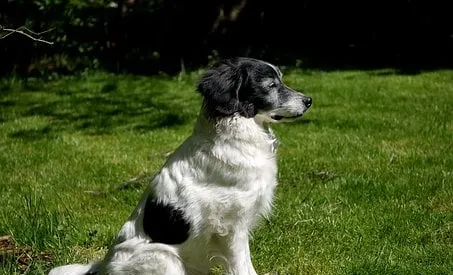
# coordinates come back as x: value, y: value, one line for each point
x: 234, y: 86
x: 221, y: 87
x: 164, y: 223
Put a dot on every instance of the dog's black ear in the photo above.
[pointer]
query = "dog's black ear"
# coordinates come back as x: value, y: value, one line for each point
x: 223, y: 88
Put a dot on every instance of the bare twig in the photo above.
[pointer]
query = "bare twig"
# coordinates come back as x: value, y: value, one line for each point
x: 27, y: 32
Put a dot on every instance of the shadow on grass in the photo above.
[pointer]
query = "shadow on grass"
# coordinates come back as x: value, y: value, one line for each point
x: 34, y: 134
x: 96, y: 109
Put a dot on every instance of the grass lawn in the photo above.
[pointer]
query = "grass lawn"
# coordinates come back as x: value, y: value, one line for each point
x: 366, y: 177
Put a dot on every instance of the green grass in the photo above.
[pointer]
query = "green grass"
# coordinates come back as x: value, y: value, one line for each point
x: 366, y: 178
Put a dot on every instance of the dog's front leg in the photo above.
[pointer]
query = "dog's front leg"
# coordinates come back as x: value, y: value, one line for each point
x: 236, y: 250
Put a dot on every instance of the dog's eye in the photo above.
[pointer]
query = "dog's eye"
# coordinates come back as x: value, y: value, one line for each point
x: 272, y: 85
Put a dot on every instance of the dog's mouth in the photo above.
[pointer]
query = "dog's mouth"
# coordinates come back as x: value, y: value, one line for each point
x: 279, y: 117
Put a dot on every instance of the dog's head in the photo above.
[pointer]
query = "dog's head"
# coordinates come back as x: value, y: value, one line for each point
x: 251, y: 88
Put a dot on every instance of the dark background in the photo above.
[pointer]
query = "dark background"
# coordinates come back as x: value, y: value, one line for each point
x: 167, y: 36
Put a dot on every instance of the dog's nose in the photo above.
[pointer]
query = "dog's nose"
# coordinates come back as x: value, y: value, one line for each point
x: 307, y: 101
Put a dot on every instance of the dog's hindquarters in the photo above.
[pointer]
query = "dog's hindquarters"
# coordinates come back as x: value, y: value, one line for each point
x: 140, y: 257
x: 132, y: 257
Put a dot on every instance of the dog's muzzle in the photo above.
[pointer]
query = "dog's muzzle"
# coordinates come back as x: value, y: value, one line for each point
x: 293, y: 108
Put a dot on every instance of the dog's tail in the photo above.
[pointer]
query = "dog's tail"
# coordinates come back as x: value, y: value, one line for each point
x: 77, y: 269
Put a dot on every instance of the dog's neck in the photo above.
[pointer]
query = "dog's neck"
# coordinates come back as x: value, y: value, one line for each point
x: 236, y: 128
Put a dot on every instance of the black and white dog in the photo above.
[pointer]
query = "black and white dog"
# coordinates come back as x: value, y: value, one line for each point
x: 201, y: 206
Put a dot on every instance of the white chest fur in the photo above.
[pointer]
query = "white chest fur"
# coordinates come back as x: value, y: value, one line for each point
x: 225, y: 172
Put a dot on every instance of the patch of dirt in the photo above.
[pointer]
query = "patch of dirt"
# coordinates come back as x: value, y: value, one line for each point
x: 23, y: 255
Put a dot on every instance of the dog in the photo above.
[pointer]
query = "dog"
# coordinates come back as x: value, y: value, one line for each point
x: 200, y: 208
